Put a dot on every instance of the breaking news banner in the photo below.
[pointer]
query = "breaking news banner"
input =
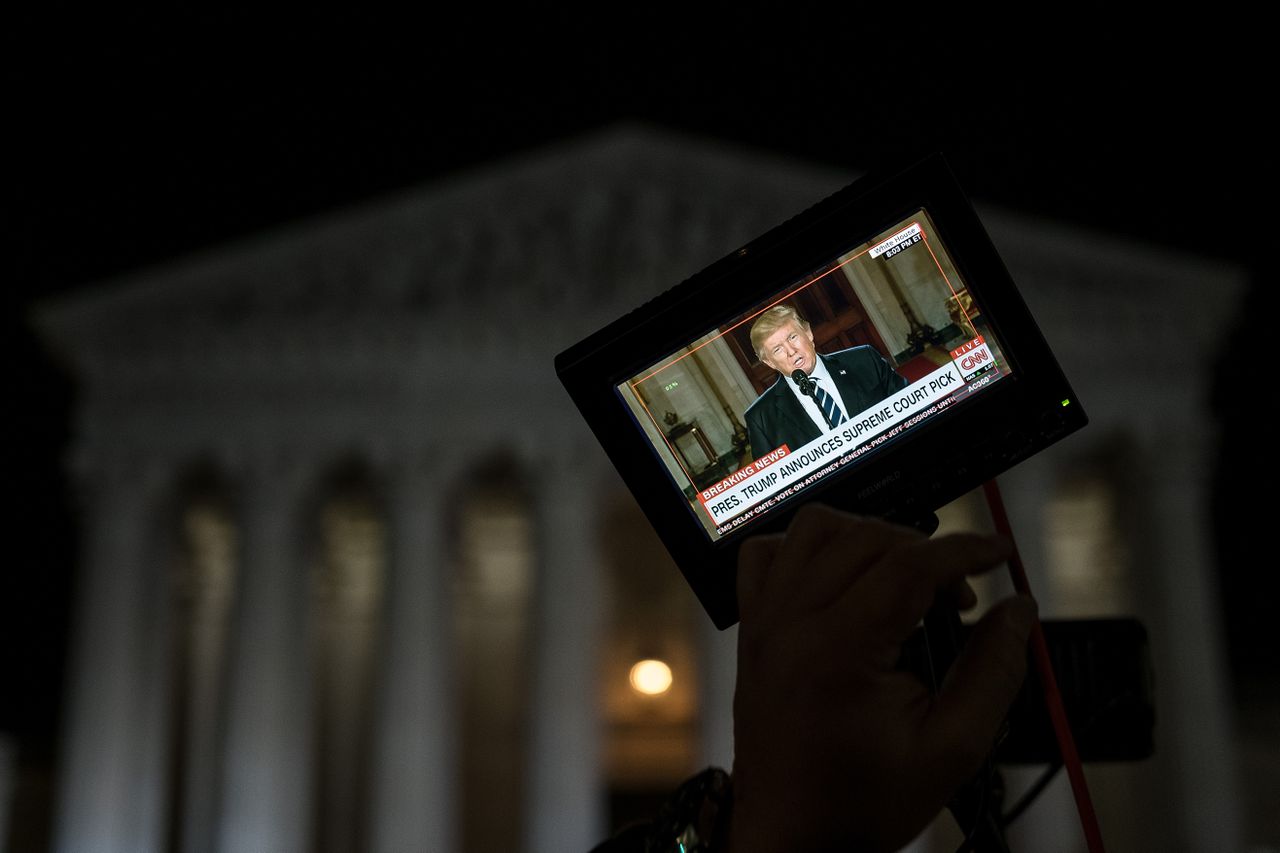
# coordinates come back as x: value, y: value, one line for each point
x: 735, y: 499
x: 746, y: 472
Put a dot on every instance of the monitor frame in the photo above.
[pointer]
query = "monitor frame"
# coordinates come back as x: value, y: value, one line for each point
x: 924, y: 468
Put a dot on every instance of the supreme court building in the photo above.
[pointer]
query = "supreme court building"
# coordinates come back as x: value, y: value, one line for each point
x: 357, y: 577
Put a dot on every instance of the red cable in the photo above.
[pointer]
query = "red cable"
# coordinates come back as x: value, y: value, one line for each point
x: 1052, y: 697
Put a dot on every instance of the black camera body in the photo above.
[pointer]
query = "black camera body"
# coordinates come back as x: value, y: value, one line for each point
x: 873, y: 353
x: 892, y: 278
x: 1103, y: 671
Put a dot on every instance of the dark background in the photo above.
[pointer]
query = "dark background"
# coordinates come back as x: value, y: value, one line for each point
x: 134, y: 141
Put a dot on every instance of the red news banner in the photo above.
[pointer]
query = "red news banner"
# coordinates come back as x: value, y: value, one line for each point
x: 723, y: 495
x: 780, y: 473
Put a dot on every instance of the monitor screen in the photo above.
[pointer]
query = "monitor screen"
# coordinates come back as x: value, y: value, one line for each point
x: 817, y: 378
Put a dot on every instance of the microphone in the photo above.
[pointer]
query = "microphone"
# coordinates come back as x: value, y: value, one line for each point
x: 802, y: 379
x: 807, y: 386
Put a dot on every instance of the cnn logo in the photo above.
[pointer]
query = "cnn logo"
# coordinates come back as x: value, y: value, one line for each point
x: 971, y: 361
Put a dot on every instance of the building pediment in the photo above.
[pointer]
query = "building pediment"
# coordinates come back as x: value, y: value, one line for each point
x: 515, y: 261
x: 592, y: 225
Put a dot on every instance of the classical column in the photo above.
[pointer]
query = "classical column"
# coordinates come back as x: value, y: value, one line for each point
x: 267, y: 770
x: 719, y: 675
x: 205, y: 604
x: 8, y: 779
x: 1193, y: 729
x: 109, y: 787
x: 415, y: 762
x: 1027, y: 490
x: 1052, y: 825
x: 565, y: 796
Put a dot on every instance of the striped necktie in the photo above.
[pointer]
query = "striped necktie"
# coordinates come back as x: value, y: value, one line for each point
x: 827, y: 403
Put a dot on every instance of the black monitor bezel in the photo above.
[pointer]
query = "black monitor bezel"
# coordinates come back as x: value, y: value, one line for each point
x: 913, y: 475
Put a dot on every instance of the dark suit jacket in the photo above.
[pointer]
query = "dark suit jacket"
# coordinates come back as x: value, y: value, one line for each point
x: 862, y: 377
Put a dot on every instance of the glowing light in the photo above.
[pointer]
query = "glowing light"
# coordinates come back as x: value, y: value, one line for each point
x: 651, y: 677
x: 1066, y: 402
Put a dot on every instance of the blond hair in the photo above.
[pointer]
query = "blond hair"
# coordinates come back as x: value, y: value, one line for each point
x: 771, y: 321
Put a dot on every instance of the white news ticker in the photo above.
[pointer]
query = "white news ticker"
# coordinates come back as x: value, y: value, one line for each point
x: 857, y: 431
x: 901, y: 237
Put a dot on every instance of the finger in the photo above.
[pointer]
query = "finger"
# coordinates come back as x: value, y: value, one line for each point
x: 755, y: 565
x: 826, y: 550
x: 960, y: 595
x: 947, y: 559
x: 809, y: 531
x: 982, y: 684
x: 895, y: 594
x: 848, y: 554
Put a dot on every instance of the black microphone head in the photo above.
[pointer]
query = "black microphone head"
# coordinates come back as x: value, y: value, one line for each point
x: 798, y: 376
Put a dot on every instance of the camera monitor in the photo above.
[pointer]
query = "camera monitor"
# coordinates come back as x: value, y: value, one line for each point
x: 872, y: 352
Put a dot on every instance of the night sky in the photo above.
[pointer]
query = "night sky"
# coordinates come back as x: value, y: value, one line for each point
x: 131, y: 142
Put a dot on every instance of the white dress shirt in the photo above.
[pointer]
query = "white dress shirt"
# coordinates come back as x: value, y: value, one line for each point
x: 809, y: 404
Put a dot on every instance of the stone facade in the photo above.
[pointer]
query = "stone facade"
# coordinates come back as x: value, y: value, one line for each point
x: 387, y: 333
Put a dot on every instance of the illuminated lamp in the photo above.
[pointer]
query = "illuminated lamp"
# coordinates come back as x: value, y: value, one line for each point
x: 650, y: 677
